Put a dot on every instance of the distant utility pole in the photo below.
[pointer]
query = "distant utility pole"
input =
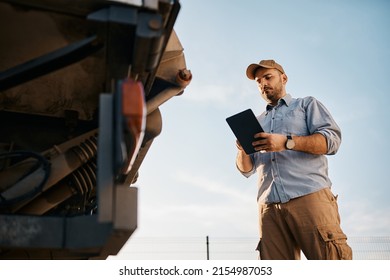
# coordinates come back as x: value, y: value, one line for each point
x: 207, y: 246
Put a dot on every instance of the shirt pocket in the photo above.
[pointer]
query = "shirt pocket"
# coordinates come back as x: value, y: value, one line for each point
x: 294, y: 123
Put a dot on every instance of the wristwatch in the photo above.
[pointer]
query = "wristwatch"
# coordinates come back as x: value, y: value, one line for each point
x: 290, y: 144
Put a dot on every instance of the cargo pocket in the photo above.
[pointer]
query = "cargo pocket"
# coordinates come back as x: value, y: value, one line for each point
x: 335, y: 245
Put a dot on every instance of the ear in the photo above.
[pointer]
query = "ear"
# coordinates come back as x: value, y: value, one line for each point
x: 284, y: 79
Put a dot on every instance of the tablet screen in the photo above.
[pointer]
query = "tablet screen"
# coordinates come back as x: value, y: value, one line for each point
x: 244, y: 126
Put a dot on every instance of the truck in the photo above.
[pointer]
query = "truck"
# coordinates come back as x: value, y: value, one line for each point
x: 81, y: 83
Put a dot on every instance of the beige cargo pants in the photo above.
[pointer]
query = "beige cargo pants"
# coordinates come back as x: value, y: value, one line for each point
x: 310, y: 223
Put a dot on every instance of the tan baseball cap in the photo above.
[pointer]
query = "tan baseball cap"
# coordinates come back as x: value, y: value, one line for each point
x: 269, y: 63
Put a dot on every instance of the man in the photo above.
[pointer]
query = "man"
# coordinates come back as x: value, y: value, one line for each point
x: 297, y: 210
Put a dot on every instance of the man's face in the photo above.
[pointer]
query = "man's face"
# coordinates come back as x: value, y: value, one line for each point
x: 271, y: 84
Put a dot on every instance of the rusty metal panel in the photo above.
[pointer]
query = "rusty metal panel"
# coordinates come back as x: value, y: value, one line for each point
x: 31, y: 231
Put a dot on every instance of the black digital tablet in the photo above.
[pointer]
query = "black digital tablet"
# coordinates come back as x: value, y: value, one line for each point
x: 244, y: 126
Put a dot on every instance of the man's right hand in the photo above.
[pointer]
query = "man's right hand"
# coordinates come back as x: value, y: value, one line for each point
x: 238, y: 145
x: 243, y: 161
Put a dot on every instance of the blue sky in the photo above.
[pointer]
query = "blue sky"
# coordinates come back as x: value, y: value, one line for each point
x: 335, y: 50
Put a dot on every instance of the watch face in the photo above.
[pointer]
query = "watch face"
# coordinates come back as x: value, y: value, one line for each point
x: 290, y: 144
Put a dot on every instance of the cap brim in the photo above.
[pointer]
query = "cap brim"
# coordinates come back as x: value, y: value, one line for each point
x: 251, y: 70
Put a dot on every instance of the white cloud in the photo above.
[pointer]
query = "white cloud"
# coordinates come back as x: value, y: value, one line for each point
x: 365, y: 219
x: 224, y: 93
x: 215, y: 187
x: 208, y: 93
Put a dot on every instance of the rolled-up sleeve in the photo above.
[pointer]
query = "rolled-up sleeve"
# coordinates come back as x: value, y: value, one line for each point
x: 319, y: 120
x: 251, y: 172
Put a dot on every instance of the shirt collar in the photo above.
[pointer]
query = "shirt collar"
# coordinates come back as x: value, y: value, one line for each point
x: 284, y: 100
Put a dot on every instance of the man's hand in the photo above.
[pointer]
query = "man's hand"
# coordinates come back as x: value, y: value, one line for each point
x: 270, y: 142
x: 238, y: 145
x: 243, y: 161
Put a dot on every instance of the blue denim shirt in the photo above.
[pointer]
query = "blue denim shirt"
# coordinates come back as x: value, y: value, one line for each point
x: 289, y: 174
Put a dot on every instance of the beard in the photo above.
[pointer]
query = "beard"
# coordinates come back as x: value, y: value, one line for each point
x: 272, y: 94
